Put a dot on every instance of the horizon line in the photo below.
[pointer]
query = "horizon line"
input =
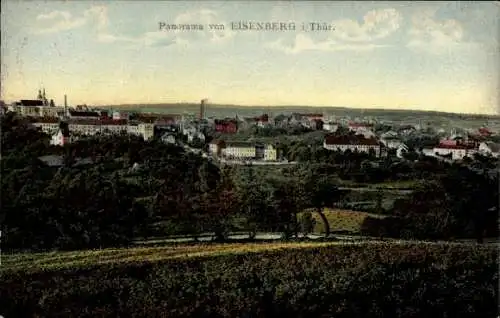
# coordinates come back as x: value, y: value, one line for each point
x: 296, y: 106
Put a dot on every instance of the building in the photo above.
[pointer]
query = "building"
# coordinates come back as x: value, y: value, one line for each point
x: 118, y: 115
x: 489, y: 149
x: 239, y: 150
x: 145, y: 130
x: 61, y: 137
x: 359, y: 127
x: 40, y: 107
x: 235, y: 150
x: 391, y: 140
x: 456, y: 151
x: 331, y: 126
x: 168, y: 138
x: 48, y: 125
x: 354, y: 143
x: 484, y: 132
x: 227, y: 126
x: 203, y: 105
x: 84, y: 126
x: 406, y: 130
x: 270, y: 153
x: 83, y: 114
x: 401, y: 151
x: 262, y: 121
x: 311, y: 116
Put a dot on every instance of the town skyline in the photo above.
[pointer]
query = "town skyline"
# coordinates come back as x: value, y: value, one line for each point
x: 395, y: 55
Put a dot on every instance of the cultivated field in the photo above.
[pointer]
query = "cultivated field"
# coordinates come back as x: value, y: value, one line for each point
x: 340, y: 220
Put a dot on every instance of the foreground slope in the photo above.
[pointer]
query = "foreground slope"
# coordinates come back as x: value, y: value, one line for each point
x: 256, y: 280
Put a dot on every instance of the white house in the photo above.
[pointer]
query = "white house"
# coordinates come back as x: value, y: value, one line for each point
x: 239, y: 150
x: 168, y: 138
x: 48, y: 125
x: 391, y: 142
x: 401, y: 150
x: 353, y: 143
x: 270, y: 153
x: 360, y: 127
x: 330, y: 126
x: 233, y: 150
x: 458, y: 152
x: 114, y: 126
x: 133, y: 128
x: 195, y: 135
x: 61, y: 137
x: 490, y: 149
x: 146, y: 130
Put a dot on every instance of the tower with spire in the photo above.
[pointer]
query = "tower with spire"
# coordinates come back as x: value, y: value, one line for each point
x: 45, y: 102
x: 39, y: 97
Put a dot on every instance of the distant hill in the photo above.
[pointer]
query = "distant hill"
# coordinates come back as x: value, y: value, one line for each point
x: 216, y: 109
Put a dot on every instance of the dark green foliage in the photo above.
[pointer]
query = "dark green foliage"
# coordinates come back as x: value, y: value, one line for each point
x: 343, y: 281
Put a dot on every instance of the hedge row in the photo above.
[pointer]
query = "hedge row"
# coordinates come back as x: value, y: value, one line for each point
x: 418, y: 280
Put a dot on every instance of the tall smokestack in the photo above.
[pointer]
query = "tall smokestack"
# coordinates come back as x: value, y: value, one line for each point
x: 65, y: 101
x: 202, y: 108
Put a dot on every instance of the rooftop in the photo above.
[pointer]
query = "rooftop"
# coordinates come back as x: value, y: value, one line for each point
x: 351, y: 140
x: 31, y: 102
x: 89, y: 114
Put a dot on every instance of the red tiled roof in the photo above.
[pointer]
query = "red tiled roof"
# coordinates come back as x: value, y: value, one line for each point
x: 98, y: 121
x: 351, y: 140
x: 225, y: 121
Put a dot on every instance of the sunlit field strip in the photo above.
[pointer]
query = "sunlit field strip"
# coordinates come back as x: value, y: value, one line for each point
x: 66, y: 260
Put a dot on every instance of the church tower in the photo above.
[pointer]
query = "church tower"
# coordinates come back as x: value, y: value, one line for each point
x: 44, y: 98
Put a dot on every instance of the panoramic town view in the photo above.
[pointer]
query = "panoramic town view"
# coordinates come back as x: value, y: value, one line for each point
x: 236, y: 159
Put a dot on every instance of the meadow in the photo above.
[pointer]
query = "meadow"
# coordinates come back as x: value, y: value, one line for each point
x: 341, y: 221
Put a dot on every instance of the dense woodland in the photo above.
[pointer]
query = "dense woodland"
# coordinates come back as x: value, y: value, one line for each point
x: 112, y: 201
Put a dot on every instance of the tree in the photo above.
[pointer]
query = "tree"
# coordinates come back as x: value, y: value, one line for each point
x: 220, y: 205
x: 307, y: 223
x: 321, y: 192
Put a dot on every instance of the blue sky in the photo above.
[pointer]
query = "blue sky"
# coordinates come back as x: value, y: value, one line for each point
x: 425, y: 55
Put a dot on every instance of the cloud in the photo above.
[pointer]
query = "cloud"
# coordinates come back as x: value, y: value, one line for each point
x: 97, y: 16
x: 304, y: 43
x: 349, y: 35
x: 435, y: 36
x: 377, y: 24
x: 57, y: 21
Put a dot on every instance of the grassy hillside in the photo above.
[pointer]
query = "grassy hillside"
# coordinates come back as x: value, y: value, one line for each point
x: 281, y: 280
x: 340, y: 220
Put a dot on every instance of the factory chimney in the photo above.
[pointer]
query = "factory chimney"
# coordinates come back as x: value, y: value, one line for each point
x: 202, y: 108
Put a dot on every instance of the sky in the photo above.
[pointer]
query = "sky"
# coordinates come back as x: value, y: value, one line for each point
x: 441, y: 56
